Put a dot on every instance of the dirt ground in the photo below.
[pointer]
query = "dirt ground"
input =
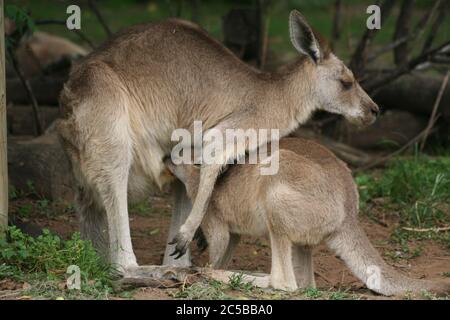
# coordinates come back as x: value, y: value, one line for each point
x: 150, y: 225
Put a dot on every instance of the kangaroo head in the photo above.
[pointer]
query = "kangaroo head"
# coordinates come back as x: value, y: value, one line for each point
x: 333, y: 85
x: 188, y: 174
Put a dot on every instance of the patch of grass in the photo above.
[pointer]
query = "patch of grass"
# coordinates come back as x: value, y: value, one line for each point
x: 312, y: 293
x: 236, y: 282
x: 420, y: 187
x: 42, y: 262
x: 204, y: 290
x: 24, y: 211
x: 316, y: 294
x: 237, y: 289
x: 405, y: 251
x: 143, y: 209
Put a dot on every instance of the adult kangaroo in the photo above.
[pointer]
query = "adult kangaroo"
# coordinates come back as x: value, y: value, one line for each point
x: 122, y: 103
x: 313, y: 198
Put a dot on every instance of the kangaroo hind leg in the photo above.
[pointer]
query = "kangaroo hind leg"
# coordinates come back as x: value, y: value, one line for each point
x: 303, y: 266
x: 282, y: 274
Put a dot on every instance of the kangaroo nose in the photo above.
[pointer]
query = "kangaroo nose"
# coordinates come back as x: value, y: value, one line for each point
x: 374, y: 109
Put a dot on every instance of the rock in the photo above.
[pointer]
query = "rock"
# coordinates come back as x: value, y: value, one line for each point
x: 394, y: 128
x: 42, y: 161
x: 20, y: 119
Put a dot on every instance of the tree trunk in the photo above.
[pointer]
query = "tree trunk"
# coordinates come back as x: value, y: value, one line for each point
x: 416, y: 94
x: 3, y: 158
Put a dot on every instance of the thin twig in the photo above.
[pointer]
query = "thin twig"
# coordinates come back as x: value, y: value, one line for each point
x: 427, y: 229
x: 10, y: 293
x: 359, y: 58
x: 415, y: 35
x: 413, y: 64
x: 265, y: 44
x: 402, y: 29
x: 100, y: 18
x: 393, y: 154
x: 320, y: 274
x: 264, y: 22
x: 434, y: 112
x: 443, y: 8
x: 30, y: 93
x: 336, y: 32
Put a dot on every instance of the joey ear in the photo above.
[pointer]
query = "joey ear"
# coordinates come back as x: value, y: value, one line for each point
x: 302, y: 36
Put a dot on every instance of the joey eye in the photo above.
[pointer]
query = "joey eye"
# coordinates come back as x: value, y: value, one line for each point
x: 346, y: 84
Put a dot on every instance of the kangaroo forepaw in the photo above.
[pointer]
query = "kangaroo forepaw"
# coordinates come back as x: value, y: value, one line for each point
x: 181, y: 242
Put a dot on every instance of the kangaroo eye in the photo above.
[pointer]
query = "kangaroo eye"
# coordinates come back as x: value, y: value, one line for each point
x: 346, y: 84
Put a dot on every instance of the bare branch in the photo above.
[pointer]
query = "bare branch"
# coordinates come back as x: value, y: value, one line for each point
x: 265, y: 23
x: 98, y: 14
x: 195, y: 10
x: 427, y: 229
x: 433, y: 116
x: 358, y: 61
x: 29, y: 90
x: 336, y: 32
x: 416, y: 34
x: 381, y: 161
x: 443, y: 10
x: 402, y: 30
x: 413, y: 64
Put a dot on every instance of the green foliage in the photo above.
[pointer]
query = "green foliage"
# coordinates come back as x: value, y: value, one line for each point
x: 20, y: 17
x: 236, y: 282
x: 23, y: 22
x: 420, y: 187
x: 312, y: 293
x: 45, y: 259
x: 205, y: 290
x: 25, y: 210
x: 316, y: 294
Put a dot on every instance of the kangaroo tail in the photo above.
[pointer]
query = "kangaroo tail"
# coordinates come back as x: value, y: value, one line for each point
x: 352, y: 245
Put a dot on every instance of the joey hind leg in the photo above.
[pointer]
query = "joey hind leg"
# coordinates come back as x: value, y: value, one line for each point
x: 282, y: 271
x: 232, y: 244
x: 218, y: 238
x: 303, y: 266
x: 182, y: 207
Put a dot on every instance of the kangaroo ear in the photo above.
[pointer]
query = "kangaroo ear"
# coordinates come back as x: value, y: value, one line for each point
x: 302, y: 36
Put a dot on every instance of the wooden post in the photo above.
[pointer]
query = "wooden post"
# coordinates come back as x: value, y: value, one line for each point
x: 3, y: 158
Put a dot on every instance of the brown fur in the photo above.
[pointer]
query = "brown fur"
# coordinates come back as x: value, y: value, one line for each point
x: 122, y: 103
x: 313, y: 198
